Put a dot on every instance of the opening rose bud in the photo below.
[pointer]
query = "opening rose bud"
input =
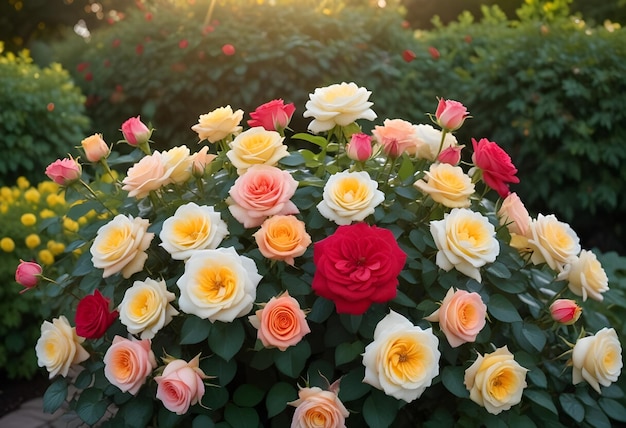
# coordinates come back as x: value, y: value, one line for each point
x: 135, y: 132
x: 360, y: 147
x: 273, y: 115
x: 27, y: 274
x: 451, y: 114
x: 64, y: 171
x: 95, y: 148
x: 565, y: 311
x: 451, y: 155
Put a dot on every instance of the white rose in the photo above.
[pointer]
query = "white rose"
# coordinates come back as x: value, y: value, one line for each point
x: 58, y: 347
x: 120, y: 245
x: 192, y: 228
x: 146, y: 309
x: 350, y: 196
x: 429, y: 141
x: 339, y: 104
x: 178, y: 163
x: 403, y: 359
x: 219, y: 285
x: 256, y: 146
x: 585, y: 276
x: 597, y: 359
x: 552, y: 242
x: 218, y: 124
x: 466, y: 241
x: 447, y: 185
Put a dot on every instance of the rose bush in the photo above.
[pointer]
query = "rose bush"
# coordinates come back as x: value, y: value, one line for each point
x: 368, y: 285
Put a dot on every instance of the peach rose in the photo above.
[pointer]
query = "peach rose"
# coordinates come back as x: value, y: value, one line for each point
x: 146, y: 175
x: 120, y: 245
x: 552, y: 242
x: 218, y: 124
x: 396, y: 136
x: 597, y: 359
x: 181, y: 385
x: 58, y: 347
x: 461, y: 317
x: 585, y: 276
x: 128, y: 363
x: 261, y: 192
x: 177, y: 162
x: 282, y: 237
x: 200, y: 161
x: 514, y: 215
x: 280, y: 322
x: 318, y: 408
x: 447, y: 185
x: 95, y: 148
x: 256, y: 146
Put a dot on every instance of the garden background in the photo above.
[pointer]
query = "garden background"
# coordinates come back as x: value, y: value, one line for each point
x: 544, y: 78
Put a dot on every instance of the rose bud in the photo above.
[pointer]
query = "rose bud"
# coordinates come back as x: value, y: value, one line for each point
x: 360, y: 147
x: 273, y: 115
x: 27, y: 274
x: 450, y: 114
x: 451, y: 155
x: 136, y: 132
x: 565, y: 311
x: 64, y: 171
x: 95, y: 148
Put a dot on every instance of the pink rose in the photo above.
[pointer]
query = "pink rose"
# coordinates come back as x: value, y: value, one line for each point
x: 27, y: 274
x: 128, y: 363
x: 135, y: 132
x: 280, y: 323
x: 396, y: 136
x: 262, y: 191
x: 148, y: 174
x: 461, y: 316
x: 64, y: 171
x: 95, y: 148
x: 450, y: 155
x: 360, y: 147
x: 450, y: 114
x: 565, y: 311
x: 318, y: 408
x: 181, y: 385
x: 496, y: 165
x: 273, y: 115
x: 514, y: 216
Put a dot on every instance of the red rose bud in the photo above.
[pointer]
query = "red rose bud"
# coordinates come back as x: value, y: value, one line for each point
x: 495, y: 164
x: 565, y: 311
x: 135, y: 132
x: 451, y: 155
x: 273, y: 115
x: 228, y: 49
x: 183, y: 44
x: 360, y: 147
x: 434, y: 52
x: 93, y: 316
x: 408, y: 55
x: 28, y: 274
x: 64, y: 171
x: 450, y: 114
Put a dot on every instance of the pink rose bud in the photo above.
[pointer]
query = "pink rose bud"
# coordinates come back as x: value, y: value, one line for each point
x: 64, y: 171
x: 565, y: 311
x: 27, y: 274
x: 451, y: 155
x: 95, y: 148
x: 273, y: 115
x: 360, y: 147
x: 451, y: 114
x: 135, y: 132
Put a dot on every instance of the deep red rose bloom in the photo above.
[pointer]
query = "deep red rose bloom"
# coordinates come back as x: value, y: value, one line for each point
x: 496, y: 165
x: 356, y: 266
x: 93, y: 317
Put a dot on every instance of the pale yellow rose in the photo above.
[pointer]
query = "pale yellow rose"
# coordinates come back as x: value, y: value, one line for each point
x: 597, y: 359
x: 349, y: 196
x: 256, y: 146
x: 146, y: 175
x: 429, y: 141
x: 146, y: 309
x: 585, y: 276
x: 177, y: 163
x: 447, y: 185
x: 59, y: 347
x: 403, y: 359
x: 466, y: 241
x: 120, y: 246
x: 552, y: 242
x: 218, y: 124
x: 496, y: 381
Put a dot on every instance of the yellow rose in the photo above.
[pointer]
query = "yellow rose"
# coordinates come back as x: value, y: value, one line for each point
x: 178, y: 163
x: 7, y: 244
x: 32, y: 195
x: 218, y: 124
x: 32, y: 241
x: 585, y: 276
x: 59, y: 347
x: 552, y: 242
x: 597, y: 359
x: 28, y: 219
x: 496, y: 381
x: 45, y: 257
x: 256, y: 146
x: 447, y: 185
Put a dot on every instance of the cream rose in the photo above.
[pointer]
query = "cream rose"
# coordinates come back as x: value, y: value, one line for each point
x: 447, y: 185
x: 282, y: 237
x: 192, y: 228
x: 496, y: 381
x: 316, y: 408
x: 597, y: 359
x: 466, y: 241
x: 339, y: 104
x: 514, y: 215
x: 429, y: 142
x: 256, y: 146
x: 178, y: 163
x: 219, y: 285
x: 128, y: 363
x: 403, y: 359
x: 218, y: 124
x: 146, y: 309
x: 552, y: 242
x: 350, y: 196
x: 585, y: 276
x: 146, y: 175
x: 58, y: 347
x: 120, y: 245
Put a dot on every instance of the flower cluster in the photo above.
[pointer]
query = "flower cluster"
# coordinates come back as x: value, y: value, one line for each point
x: 364, y: 280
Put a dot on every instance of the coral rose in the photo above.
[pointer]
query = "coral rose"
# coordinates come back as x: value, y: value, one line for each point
x: 282, y: 237
x: 256, y: 146
x: 316, y: 407
x: 218, y: 124
x: 181, y: 385
x: 128, y: 363
x: 93, y: 316
x: 495, y: 164
x: 597, y: 359
x: 447, y: 185
x: 58, y: 347
x: 585, y: 276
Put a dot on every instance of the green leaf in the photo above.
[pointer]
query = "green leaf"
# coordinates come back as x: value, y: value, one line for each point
x: 403, y: 300
x: 346, y: 352
x: 379, y: 410
x: 83, y: 380
x: 202, y: 421
x: 613, y: 409
x: 215, y: 397
x: 194, y: 330
x: 452, y: 379
x: 541, y: 398
x: 595, y: 417
x: 292, y: 360
x: 502, y: 309
x: 248, y: 395
x: 406, y: 168
x: 351, y: 322
x: 278, y: 396
x: 572, y: 407
x: 55, y: 395
x: 313, y: 139
x: 352, y: 386
x: 225, y: 339
x: 321, y: 310
x: 168, y: 419
x: 218, y: 367
x: 535, y: 336
x: 90, y: 406
x: 138, y: 412
x: 294, y: 159
x: 83, y: 265
x: 410, y: 193
x: 499, y: 270
x: 241, y: 417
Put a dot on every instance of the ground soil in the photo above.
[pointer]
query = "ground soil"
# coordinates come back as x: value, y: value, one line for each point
x: 14, y: 392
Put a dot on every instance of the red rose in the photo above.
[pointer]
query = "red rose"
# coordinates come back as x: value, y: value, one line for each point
x: 356, y: 266
x: 93, y: 317
x: 272, y: 116
x: 496, y: 165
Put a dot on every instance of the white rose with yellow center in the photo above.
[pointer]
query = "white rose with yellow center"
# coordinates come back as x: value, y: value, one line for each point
x: 58, y: 347
x: 146, y: 309
x: 597, y: 359
x: 466, y: 241
x: 350, y: 196
x: 552, y: 242
x: 496, y: 381
x: 120, y: 245
x: 585, y: 276
x: 192, y: 228
x: 256, y: 146
x: 339, y: 104
x: 178, y: 163
x: 447, y: 185
x: 218, y: 285
x: 429, y: 141
x: 218, y: 124
x: 403, y: 359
